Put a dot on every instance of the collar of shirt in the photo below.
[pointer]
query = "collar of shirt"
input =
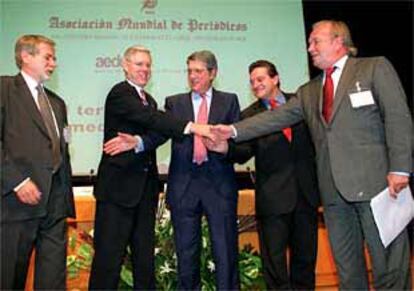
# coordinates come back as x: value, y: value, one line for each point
x: 196, y: 99
x: 280, y: 98
x: 138, y: 88
x: 336, y: 75
x: 32, y: 84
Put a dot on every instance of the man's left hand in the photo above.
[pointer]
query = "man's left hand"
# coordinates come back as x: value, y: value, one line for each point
x: 396, y: 183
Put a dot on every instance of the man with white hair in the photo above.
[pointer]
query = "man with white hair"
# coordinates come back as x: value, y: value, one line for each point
x: 36, y: 190
x: 127, y: 184
x: 361, y: 127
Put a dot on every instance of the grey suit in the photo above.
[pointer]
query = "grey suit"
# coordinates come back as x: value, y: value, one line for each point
x: 354, y: 153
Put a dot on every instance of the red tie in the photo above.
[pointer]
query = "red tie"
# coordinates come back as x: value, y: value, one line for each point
x: 328, y: 94
x: 286, y: 131
x: 200, y: 151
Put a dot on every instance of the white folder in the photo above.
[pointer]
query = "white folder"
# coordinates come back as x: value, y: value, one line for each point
x: 392, y: 215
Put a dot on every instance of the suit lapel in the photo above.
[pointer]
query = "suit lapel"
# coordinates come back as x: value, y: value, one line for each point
x: 133, y: 91
x: 318, y: 90
x: 56, y: 111
x: 216, y: 108
x: 188, y: 109
x: 345, y: 81
x: 151, y: 101
x: 59, y: 119
x: 258, y: 107
x: 255, y: 108
x: 27, y: 99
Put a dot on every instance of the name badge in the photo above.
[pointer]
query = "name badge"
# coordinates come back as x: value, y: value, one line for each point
x: 360, y: 99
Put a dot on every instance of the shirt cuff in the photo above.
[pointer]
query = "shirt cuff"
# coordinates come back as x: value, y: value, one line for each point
x: 18, y: 187
x: 234, y: 134
x: 187, y: 129
x: 140, y: 145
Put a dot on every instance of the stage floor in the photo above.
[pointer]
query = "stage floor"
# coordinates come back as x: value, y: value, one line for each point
x: 326, y: 278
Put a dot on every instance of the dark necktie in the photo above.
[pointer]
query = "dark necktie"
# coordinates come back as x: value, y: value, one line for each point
x: 143, y: 97
x: 328, y: 95
x: 199, y: 149
x: 286, y: 131
x: 46, y: 113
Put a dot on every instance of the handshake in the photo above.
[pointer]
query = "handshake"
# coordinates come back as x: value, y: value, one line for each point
x: 214, y: 138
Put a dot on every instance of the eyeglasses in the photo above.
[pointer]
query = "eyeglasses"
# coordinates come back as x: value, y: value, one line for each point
x: 316, y: 41
x: 196, y: 71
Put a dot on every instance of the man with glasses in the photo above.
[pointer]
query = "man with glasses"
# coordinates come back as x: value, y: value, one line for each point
x: 201, y: 183
x: 127, y: 184
x: 361, y: 127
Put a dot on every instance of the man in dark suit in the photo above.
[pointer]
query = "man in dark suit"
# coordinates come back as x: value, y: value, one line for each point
x: 203, y: 185
x: 200, y: 183
x: 127, y: 184
x: 361, y: 128
x: 287, y: 195
x: 36, y: 174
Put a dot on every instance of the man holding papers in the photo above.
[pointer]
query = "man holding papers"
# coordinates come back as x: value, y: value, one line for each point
x: 361, y: 127
x: 392, y: 215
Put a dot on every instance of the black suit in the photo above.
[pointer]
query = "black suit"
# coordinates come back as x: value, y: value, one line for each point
x: 26, y: 152
x: 127, y: 191
x: 286, y: 202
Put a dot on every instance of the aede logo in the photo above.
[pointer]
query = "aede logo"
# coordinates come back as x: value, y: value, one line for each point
x: 108, y: 62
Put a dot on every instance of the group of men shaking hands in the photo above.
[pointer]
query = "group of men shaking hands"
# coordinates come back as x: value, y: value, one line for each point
x: 340, y: 139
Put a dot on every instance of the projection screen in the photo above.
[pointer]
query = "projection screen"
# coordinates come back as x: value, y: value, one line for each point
x: 91, y: 37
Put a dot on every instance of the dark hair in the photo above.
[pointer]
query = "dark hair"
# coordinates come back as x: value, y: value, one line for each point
x: 271, y: 68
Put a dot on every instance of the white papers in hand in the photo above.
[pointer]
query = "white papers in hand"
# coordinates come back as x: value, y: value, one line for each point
x: 392, y: 215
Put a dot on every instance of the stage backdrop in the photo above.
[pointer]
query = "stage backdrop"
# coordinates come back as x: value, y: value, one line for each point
x: 92, y: 35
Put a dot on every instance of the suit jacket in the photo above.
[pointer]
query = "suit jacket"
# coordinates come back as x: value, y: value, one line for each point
x: 283, y: 169
x: 121, y: 178
x: 224, y: 109
x: 357, y: 149
x: 26, y: 150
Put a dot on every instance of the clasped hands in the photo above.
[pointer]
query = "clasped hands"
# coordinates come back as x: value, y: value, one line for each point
x: 214, y: 138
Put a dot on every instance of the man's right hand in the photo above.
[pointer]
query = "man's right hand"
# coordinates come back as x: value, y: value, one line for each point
x: 28, y: 193
x: 202, y: 130
x: 122, y: 143
x: 222, y: 131
x: 219, y: 146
